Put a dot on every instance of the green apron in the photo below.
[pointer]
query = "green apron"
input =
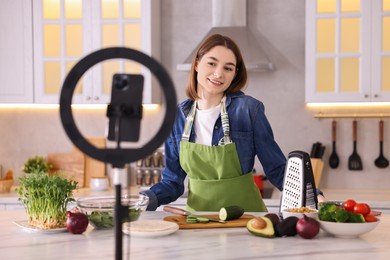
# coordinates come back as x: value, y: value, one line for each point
x: 214, y: 172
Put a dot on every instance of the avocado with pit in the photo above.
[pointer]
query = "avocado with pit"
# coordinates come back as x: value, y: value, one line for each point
x: 261, y: 226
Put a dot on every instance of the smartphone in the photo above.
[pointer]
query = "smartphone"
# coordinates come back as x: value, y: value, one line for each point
x: 126, y: 94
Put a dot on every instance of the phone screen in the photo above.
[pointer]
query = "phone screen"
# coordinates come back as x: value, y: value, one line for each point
x: 126, y: 95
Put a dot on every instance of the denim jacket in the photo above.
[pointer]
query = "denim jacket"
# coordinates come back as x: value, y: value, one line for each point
x: 249, y: 130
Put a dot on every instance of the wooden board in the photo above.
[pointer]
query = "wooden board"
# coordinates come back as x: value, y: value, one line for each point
x: 72, y: 165
x: 317, y: 165
x: 181, y: 221
x: 93, y: 168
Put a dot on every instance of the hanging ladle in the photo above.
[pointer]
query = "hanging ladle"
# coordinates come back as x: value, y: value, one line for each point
x: 381, y: 161
x: 334, y: 158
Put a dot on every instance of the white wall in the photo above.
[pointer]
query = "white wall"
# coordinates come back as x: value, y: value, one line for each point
x: 280, y: 26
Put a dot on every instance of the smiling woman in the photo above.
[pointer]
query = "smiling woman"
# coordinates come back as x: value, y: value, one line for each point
x: 217, y: 134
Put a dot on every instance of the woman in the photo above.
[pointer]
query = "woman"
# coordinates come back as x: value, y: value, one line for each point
x: 217, y: 134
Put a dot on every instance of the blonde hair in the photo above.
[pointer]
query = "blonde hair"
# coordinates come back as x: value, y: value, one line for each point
x: 241, y: 76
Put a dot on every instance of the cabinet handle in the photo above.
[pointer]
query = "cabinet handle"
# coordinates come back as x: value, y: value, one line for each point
x: 376, y: 95
x: 96, y: 98
x: 366, y: 95
x: 88, y: 98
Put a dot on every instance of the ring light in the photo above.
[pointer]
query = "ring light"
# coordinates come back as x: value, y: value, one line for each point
x: 116, y: 157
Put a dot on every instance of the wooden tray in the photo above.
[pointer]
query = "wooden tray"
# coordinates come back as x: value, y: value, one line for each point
x: 181, y: 221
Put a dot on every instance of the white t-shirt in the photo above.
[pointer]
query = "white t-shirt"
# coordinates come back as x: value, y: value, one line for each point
x: 204, y: 124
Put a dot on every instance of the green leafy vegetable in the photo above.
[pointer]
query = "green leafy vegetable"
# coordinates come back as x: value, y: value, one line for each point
x: 105, y: 219
x: 356, y: 218
x: 102, y: 219
x: 340, y: 215
x: 334, y: 213
x: 37, y: 164
x: 46, y: 198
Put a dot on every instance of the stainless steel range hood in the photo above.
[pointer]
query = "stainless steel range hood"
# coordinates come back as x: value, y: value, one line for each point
x: 229, y: 18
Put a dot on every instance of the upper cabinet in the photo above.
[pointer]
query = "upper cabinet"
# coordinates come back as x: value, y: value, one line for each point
x: 43, y: 39
x: 347, y: 50
x: 16, y: 62
x: 67, y: 30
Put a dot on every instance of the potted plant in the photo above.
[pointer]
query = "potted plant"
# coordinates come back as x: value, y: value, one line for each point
x: 45, y: 197
x: 36, y: 164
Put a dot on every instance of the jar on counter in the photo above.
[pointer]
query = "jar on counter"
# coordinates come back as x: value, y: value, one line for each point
x: 148, y: 161
x: 156, y: 159
x: 147, y: 177
x: 139, y: 177
x: 156, y: 176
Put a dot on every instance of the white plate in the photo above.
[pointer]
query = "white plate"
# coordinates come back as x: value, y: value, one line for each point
x: 347, y: 230
x: 24, y: 224
x: 149, y: 228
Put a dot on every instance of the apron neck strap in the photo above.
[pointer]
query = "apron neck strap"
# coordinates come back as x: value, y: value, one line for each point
x: 224, y: 119
x: 189, y: 123
x: 225, y: 124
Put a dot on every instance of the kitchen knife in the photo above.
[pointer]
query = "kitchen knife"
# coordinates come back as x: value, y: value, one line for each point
x: 183, y: 212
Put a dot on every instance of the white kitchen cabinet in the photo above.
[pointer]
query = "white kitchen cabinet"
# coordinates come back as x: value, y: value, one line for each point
x: 347, y: 51
x: 66, y: 30
x: 16, y: 64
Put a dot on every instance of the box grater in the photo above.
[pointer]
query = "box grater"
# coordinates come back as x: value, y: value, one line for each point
x: 299, y: 189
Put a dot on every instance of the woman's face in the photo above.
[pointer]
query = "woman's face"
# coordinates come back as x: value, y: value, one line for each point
x: 216, y: 71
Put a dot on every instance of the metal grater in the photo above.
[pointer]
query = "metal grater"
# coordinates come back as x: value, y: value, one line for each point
x: 299, y: 189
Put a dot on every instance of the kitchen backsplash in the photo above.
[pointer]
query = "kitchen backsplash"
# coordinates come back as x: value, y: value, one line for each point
x: 27, y: 133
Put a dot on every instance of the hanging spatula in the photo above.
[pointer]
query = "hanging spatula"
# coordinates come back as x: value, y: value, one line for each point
x: 354, y: 161
x: 334, y: 158
x: 381, y: 161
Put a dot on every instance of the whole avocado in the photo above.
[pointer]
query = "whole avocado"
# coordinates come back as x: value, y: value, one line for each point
x: 274, y: 218
x: 287, y: 227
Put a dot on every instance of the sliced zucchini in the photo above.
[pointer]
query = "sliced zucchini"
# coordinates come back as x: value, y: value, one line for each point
x: 231, y: 212
x: 196, y: 219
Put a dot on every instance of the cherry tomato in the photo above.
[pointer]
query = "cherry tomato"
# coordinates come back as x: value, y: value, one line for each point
x: 349, y: 204
x: 362, y: 208
x: 370, y: 218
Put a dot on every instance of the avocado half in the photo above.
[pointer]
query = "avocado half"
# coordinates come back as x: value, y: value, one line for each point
x: 268, y: 231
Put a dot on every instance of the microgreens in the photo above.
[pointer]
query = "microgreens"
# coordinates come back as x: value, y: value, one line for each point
x: 46, y: 198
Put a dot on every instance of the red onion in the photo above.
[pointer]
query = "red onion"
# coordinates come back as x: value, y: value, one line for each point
x: 307, y: 227
x: 77, y: 222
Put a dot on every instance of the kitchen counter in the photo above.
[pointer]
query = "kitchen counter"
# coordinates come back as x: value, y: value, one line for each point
x: 378, y: 199
x: 217, y: 243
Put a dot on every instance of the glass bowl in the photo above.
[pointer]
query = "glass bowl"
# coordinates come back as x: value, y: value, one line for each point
x: 100, y: 209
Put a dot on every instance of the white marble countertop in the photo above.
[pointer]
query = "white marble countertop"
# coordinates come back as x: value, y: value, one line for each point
x: 217, y: 243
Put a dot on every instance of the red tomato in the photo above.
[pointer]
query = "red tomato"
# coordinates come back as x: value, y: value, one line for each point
x: 362, y: 208
x: 349, y: 204
x: 370, y: 218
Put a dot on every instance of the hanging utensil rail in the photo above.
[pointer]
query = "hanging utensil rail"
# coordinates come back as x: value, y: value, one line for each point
x: 351, y: 115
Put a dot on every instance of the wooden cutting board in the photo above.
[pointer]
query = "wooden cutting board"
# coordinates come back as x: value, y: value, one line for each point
x: 181, y: 221
x: 72, y: 165
x: 93, y: 167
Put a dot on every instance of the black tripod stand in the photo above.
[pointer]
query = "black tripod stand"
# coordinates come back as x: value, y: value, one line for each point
x: 126, y: 114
